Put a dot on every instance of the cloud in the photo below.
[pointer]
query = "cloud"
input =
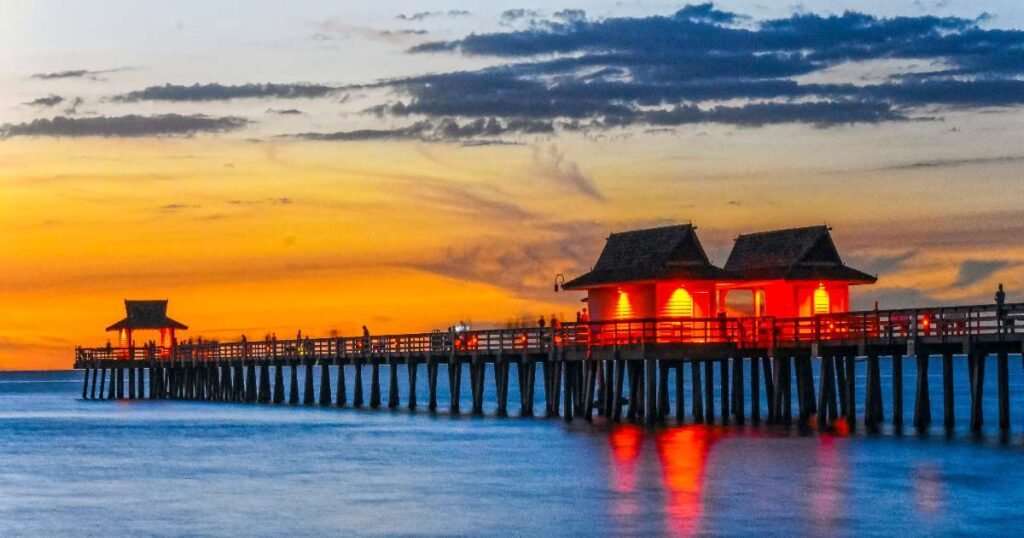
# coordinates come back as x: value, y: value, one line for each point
x: 510, y: 16
x: 77, y: 73
x: 72, y: 108
x: 440, y: 130
x: 551, y: 164
x: 974, y: 271
x: 285, y: 111
x: 955, y: 163
x: 124, y: 126
x: 221, y: 92
x: 421, y: 15
x: 679, y: 69
x: 48, y: 101
x: 524, y: 264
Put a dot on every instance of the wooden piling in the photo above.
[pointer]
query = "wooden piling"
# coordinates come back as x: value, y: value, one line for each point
x: 633, y: 405
x: 948, y: 415
x: 455, y: 386
x: 264, y: 390
x: 308, y: 397
x: 477, y: 377
x: 897, y: 391
x: 411, y: 365
x: 325, y: 382
x: 501, y: 368
x: 85, y: 382
x: 278, y: 383
x: 393, y: 397
x: 851, y: 392
x: 755, y: 391
x: 1003, y: 389
x: 737, y: 391
x: 590, y: 386
x: 341, y: 397
x: 569, y: 381
x: 680, y: 395
x: 250, y: 382
x: 650, y: 373
x: 977, y: 392
x: 131, y: 379
x: 922, y: 401
x: 696, y: 399
x: 709, y: 392
x: 787, y: 391
x: 293, y: 385
x: 620, y: 377
x: 431, y: 384
x: 724, y: 389
x: 103, y: 381
x: 374, y: 382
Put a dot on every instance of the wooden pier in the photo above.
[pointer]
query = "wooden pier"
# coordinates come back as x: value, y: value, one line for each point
x: 620, y: 371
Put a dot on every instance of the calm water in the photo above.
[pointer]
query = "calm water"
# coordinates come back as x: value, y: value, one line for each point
x: 73, y: 467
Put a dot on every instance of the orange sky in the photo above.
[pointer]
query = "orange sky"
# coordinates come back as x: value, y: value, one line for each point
x: 249, y: 238
x: 272, y: 210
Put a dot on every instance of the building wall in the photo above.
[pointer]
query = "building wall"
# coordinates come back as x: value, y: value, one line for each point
x: 639, y: 301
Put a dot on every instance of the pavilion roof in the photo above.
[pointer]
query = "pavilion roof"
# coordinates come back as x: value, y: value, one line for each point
x: 791, y: 254
x: 668, y: 252
x: 146, y: 315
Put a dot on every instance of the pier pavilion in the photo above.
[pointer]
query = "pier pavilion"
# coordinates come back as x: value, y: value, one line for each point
x: 146, y: 316
x: 796, y: 272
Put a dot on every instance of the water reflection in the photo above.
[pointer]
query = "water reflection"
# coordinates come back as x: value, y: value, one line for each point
x: 683, y: 453
x: 826, y: 489
x: 626, y: 442
x: 928, y: 488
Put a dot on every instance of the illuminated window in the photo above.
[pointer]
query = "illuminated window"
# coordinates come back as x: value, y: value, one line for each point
x: 679, y: 304
x: 821, y: 302
x: 624, y: 308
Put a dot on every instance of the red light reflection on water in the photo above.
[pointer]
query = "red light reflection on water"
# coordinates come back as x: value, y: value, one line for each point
x: 626, y: 442
x: 683, y: 453
x: 827, y: 495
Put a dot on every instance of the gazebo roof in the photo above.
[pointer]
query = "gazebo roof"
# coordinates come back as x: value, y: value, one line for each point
x: 791, y: 254
x: 668, y: 252
x: 146, y: 315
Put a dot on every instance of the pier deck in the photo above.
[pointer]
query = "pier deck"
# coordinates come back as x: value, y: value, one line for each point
x: 602, y: 366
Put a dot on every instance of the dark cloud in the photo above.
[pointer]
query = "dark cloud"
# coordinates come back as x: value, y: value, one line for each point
x: 48, y: 101
x: 221, y: 92
x: 72, y: 108
x: 440, y: 130
x: 974, y: 271
x: 513, y: 15
x: 421, y: 15
x: 678, y: 69
x: 77, y: 73
x: 571, y: 15
x: 284, y: 111
x: 955, y: 163
x: 124, y: 126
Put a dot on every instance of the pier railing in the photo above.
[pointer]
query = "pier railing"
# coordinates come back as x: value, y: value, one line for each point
x: 867, y: 327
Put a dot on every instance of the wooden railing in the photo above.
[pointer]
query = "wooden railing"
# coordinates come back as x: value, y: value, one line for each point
x: 871, y: 327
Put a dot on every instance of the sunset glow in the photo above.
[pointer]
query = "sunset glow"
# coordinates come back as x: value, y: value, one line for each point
x: 321, y: 202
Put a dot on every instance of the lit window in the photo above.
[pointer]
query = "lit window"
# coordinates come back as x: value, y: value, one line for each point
x: 821, y: 302
x: 679, y: 304
x: 624, y: 308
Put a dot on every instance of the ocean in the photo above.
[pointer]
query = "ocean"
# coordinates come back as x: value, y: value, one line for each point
x: 70, y: 467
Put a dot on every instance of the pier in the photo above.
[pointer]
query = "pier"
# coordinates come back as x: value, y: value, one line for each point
x: 617, y: 371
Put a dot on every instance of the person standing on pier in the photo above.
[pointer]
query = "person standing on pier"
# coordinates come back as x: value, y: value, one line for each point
x: 366, y: 338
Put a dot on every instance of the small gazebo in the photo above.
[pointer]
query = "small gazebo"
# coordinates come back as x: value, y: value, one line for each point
x: 146, y: 315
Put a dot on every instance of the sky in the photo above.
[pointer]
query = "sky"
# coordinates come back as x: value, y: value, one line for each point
x: 317, y: 166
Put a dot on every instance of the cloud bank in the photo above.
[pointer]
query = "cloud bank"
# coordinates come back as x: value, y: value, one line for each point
x: 124, y: 126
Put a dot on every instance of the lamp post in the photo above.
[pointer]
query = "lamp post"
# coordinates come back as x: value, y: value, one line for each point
x: 557, y: 285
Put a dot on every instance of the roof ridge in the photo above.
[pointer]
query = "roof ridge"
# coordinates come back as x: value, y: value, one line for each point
x: 795, y: 229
